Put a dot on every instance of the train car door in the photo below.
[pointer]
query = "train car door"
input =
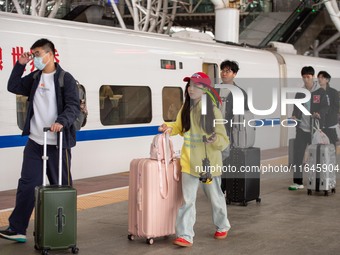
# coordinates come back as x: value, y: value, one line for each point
x: 211, y: 69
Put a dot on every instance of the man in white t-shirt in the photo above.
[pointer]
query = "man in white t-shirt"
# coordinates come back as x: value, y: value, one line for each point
x: 49, y: 106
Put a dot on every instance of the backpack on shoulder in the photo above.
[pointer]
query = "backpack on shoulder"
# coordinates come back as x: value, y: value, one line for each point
x: 82, y: 117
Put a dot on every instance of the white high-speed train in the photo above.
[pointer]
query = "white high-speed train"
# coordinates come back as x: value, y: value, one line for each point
x: 133, y: 83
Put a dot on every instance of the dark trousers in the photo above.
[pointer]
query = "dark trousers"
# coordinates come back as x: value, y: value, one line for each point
x: 226, y: 163
x: 32, y: 176
x: 302, y: 139
x: 331, y: 134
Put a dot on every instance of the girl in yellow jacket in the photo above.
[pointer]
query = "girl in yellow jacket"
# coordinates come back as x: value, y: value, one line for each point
x: 202, y: 138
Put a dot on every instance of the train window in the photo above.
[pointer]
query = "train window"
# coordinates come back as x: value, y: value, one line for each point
x: 168, y: 64
x: 22, y: 105
x: 124, y: 105
x: 172, y: 98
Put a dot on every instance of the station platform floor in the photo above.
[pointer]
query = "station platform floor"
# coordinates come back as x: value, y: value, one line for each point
x: 285, y: 222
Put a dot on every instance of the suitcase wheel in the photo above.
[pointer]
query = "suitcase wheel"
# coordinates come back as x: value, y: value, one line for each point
x: 258, y: 200
x: 75, y: 250
x: 309, y: 192
x: 44, y: 252
x: 326, y: 193
x: 149, y: 241
x: 244, y: 203
x: 131, y: 237
x: 333, y: 190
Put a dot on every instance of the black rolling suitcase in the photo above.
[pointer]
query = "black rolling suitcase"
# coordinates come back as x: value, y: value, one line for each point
x: 55, y: 224
x: 242, y: 178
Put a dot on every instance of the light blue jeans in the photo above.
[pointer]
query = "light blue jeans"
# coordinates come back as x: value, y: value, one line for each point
x: 186, y: 216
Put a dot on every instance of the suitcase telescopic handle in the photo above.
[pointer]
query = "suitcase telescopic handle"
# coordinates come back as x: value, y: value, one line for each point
x: 49, y: 129
x: 45, y: 157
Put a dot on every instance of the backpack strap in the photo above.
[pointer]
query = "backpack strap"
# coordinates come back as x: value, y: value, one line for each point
x: 61, y: 78
x: 81, y: 90
x: 176, y: 171
x: 35, y: 75
x: 164, y: 193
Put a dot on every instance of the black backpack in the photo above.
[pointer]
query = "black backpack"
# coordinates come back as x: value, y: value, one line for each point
x: 82, y: 117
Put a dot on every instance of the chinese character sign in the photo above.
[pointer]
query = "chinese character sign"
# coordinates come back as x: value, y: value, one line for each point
x: 56, y: 56
x: 16, y: 53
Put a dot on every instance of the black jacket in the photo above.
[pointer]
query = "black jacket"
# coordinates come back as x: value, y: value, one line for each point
x: 319, y: 104
x: 67, y: 100
x: 332, y: 114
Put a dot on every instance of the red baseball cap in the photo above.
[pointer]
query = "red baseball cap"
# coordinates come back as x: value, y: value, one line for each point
x: 199, y: 77
x: 203, y: 78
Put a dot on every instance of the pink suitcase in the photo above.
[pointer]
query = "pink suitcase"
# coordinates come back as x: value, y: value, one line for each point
x: 154, y: 198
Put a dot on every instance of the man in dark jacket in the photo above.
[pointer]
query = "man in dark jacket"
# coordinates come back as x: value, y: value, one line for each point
x: 229, y: 71
x: 49, y: 106
x: 318, y: 107
x: 331, y: 120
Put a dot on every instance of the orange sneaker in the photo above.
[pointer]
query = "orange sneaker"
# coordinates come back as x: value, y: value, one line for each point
x: 182, y: 242
x: 220, y: 235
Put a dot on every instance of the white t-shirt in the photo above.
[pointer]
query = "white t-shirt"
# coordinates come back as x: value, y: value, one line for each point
x: 45, y: 110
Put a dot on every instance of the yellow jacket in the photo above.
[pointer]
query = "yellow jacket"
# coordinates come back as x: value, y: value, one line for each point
x: 193, y: 151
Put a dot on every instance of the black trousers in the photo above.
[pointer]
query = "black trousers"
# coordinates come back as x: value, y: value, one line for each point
x: 302, y: 139
x: 32, y: 176
x: 331, y: 134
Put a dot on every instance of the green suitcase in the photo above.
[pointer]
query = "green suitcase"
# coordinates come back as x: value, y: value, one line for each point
x: 55, y: 224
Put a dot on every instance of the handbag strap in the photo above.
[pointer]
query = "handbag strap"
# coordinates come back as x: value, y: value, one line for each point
x: 164, y: 193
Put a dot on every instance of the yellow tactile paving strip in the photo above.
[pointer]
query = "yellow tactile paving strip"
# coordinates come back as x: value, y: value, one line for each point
x: 84, y: 202
x: 102, y: 198
x: 4, y: 218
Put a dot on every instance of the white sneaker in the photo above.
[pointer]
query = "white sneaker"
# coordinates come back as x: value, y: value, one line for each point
x: 9, y: 234
x: 295, y: 186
